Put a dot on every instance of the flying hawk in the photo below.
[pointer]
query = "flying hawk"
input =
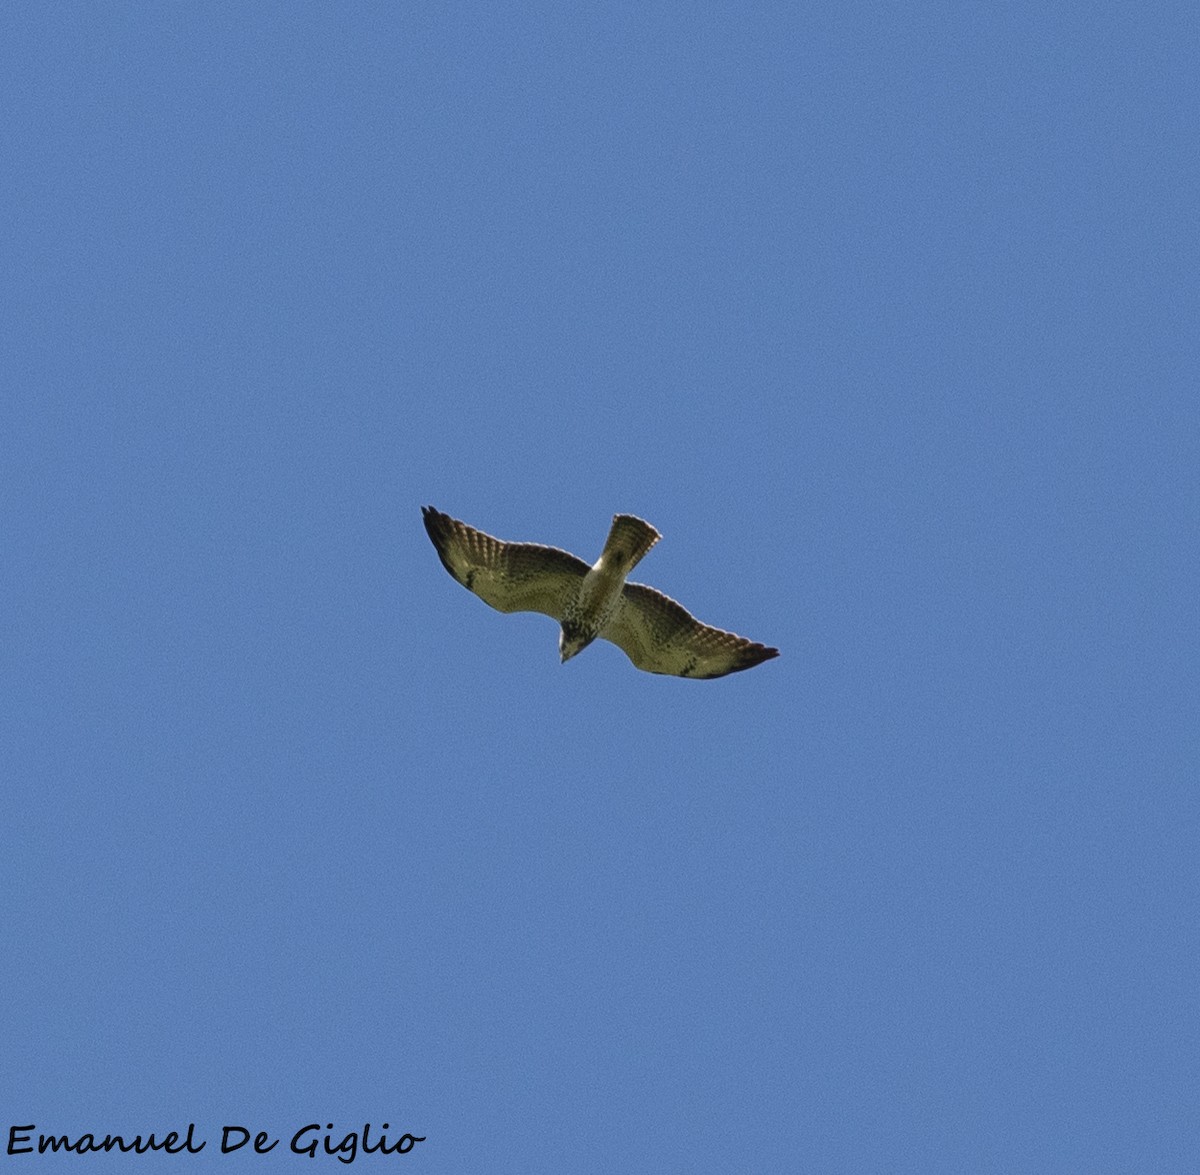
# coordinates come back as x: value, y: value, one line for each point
x: 655, y: 632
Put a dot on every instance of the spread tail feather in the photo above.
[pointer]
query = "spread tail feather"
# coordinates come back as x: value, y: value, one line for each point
x: 628, y: 540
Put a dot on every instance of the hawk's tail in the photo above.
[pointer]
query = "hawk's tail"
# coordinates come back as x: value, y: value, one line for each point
x: 629, y: 539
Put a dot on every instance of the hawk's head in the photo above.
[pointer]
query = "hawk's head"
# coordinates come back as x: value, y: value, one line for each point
x: 572, y: 640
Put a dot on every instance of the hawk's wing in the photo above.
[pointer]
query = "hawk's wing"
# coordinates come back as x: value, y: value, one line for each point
x: 661, y: 636
x: 512, y: 577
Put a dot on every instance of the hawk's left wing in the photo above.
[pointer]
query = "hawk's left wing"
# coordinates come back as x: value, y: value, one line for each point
x: 661, y: 636
x: 511, y: 577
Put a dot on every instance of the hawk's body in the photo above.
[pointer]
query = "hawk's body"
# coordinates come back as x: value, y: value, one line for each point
x: 655, y: 632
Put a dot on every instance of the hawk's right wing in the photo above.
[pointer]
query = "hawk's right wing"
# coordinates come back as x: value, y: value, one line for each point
x: 511, y: 577
x: 661, y: 636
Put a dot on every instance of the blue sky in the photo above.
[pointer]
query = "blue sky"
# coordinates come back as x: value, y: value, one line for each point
x: 885, y: 315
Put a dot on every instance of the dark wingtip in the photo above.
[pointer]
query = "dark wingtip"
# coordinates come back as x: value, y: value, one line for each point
x: 753, y: 655
x: 437, y: 526
x: 748, y: 656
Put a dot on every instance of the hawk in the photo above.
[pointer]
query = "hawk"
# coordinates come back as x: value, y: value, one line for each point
x: 653, y: 631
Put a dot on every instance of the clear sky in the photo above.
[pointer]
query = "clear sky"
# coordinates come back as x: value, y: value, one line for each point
x: 885, y: 315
